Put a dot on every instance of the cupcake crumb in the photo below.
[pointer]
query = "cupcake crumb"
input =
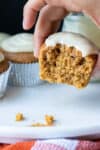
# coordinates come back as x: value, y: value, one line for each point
x: 49, y: 120
x: 38, y: 124
x: 19, y: 117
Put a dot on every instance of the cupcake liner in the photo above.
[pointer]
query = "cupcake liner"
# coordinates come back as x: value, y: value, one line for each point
x: 24, y: 75
x: 4, y: 80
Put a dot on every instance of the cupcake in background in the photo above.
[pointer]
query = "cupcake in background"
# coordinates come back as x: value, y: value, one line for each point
x: 19, y: 49
x: 5, y: 68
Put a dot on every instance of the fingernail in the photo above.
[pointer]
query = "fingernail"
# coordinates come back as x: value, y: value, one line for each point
x: 24, y: 24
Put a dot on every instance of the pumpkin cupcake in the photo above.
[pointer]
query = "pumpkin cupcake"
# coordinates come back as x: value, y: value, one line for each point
x: 67, y: 58
x: 19, y: 49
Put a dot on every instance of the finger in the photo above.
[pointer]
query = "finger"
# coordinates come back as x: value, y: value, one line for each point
x: 29, y: 17
x: 95, y: 17
x: 48, y: 22
x: 69, y: 5
x: 92, y: 9
x: 40, y: 38
x: 30, y: 12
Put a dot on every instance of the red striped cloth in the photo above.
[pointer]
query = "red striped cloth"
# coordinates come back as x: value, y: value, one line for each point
x: 57, y: 144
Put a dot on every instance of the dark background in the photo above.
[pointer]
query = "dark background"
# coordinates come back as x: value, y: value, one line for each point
x: 11, y: 14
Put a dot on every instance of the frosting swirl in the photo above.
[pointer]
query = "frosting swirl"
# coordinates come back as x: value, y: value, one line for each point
x: 72, y: 39
x: 22, y: 42
x: 3, y: 36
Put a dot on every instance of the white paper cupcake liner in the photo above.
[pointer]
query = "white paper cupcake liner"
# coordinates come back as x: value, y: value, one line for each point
x: 24, y: 75
x: 4, y: 81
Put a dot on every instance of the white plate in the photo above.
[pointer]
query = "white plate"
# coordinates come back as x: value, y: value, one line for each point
x: 77, y: 112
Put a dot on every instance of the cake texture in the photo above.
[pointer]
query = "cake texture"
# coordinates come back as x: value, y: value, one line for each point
x: 67, y: 58
x: 19, y: 50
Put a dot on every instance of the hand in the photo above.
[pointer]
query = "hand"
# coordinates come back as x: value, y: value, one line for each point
x: 51, y: 13
x: 48, y: 22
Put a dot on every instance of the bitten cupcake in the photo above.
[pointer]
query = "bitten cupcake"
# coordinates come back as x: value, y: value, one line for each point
x: 67, y: 58
x: 4, y: 74
x: 19, y: 50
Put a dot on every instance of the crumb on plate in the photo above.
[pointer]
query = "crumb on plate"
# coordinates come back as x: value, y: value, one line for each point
x: 38, y: 124
x: 49, y: 120
x: 19, y: 117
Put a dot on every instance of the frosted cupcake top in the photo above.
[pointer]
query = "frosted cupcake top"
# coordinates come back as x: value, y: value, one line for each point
x: 72, y: 39
x: 3, y: 36
x: 22, y: 42
x: 2, y: 58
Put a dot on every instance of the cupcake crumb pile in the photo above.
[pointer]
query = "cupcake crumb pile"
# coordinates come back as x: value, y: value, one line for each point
x: 49, y: 121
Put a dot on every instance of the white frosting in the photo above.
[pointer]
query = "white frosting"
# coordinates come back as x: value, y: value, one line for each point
x: 3, y: 36
x: 1, y: 57
x: 22, y: 42
x: 72, y: 39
